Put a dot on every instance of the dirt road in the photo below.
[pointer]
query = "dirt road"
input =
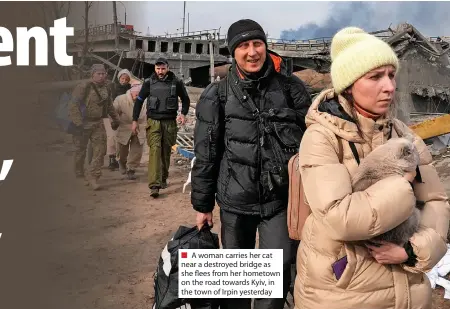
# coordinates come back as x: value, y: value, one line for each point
x: 110, y: 240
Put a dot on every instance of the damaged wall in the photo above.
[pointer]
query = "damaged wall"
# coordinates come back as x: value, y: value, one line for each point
x: 315, y: 80
x: 422, y: 84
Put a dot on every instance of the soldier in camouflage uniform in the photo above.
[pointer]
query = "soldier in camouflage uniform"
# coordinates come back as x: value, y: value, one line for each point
x: 91, y: 102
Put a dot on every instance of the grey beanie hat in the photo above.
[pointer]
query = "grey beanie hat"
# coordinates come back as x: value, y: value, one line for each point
x: 97, y: 68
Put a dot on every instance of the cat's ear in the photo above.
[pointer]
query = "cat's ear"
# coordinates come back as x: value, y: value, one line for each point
x: 405, y: 151
x: 409, y: 137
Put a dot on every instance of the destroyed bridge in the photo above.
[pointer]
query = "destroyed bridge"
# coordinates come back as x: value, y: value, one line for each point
x: 423, y: 80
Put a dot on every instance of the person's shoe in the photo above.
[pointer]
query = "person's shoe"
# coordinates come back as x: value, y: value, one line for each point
x: 122, y: 168
x: 113, y: 164
x: 94, y: 184
x: 131, y: 175
x: 164, y: 185
x: 154, y: 192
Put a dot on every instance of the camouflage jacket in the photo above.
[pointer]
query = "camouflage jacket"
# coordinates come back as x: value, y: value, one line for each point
x: 98, y: 106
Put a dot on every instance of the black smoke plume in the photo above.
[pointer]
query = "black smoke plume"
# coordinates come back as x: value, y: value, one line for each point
x: 431, y: 18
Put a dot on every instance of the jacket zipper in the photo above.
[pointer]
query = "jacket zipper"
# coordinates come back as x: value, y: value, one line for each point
x: 260, y: 142
x: 209, y: 143
x: 259, y: 160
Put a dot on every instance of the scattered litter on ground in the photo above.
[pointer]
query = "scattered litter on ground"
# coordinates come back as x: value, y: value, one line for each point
x: 439, y: 272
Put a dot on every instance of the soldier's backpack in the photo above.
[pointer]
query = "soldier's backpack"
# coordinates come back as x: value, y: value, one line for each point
x: 62, y: 110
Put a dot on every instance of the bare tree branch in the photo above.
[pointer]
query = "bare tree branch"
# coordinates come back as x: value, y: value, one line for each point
x: 87, y: 6
x: 68, y: 9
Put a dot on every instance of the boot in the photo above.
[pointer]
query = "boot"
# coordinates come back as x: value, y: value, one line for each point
x: 83, y: 178
x: 94, y: 184
x: 164, y: 184
x: 130, y: 175
x: 154, y: 192
x: 123, y: 168
x: 79, y: 174
x: 113, y: 164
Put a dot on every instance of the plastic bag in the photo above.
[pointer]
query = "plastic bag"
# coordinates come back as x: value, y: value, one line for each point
x: 62, y: 114
x: 166, y: 276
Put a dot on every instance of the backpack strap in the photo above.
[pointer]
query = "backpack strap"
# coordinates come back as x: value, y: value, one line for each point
x: 105, y: 104
x: 96, y: 92
x: 340, y: 149
x: 223, y: 91
x: 354, y: 151
x: 87, y: 89
x: 284, y: 84
x: 340, y: 152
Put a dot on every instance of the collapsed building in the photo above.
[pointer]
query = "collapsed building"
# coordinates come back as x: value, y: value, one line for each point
x: 423, y: 80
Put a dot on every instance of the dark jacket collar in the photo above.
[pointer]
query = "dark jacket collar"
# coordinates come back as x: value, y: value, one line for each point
x: 274, y: 64
x: 332, y: 107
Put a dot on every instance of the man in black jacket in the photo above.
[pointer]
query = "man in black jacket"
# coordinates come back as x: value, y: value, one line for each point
x: 162, y: 91
x: 248, y: 127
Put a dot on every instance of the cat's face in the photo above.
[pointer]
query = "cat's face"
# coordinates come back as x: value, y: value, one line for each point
x: 406, y: 153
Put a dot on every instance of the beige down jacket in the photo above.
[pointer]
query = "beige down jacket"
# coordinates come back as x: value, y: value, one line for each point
x: 123, y: 104
x: 340, y: 217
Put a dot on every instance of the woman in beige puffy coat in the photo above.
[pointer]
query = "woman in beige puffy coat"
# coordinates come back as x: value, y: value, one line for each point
x: 357, y: 110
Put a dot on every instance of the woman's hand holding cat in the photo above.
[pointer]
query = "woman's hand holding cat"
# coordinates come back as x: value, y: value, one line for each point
x: 388, y: 253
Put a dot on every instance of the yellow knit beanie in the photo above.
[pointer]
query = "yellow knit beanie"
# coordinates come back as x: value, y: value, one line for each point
x: 354, y: 53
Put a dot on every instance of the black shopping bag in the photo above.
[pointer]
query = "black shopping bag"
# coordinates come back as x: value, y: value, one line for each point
x: 166, y: 277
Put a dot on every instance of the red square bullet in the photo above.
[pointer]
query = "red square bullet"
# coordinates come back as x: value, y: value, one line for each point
x: 184, y: 255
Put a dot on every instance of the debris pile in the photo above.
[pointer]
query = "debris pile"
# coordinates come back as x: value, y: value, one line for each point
x: 439, y: 272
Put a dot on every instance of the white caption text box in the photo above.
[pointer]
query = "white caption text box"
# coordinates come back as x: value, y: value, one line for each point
x: 230, y: 273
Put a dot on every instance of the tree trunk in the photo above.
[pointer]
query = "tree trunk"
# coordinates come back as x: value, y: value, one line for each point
x: 86, y: 37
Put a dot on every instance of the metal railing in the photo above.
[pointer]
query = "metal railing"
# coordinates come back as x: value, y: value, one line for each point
x: 325, y: 42
x: 199, y: 35
x: 322, y: 43
x: 439, y: 39
x: 296, y: 45
x: 103, y: 30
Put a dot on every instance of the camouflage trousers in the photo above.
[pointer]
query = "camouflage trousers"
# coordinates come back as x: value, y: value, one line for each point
x: 96, y: 134
x: 111, y: 144
x: 161, y: 136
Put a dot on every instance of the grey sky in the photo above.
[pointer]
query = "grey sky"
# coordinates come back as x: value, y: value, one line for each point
x: 167, y: 16
x: 301, y: 20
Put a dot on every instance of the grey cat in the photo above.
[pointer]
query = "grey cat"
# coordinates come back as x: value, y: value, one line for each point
x: 396, y: 157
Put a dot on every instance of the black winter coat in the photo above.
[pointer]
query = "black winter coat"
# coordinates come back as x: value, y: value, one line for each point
x: 235, y: 159
x: 119, y: 89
